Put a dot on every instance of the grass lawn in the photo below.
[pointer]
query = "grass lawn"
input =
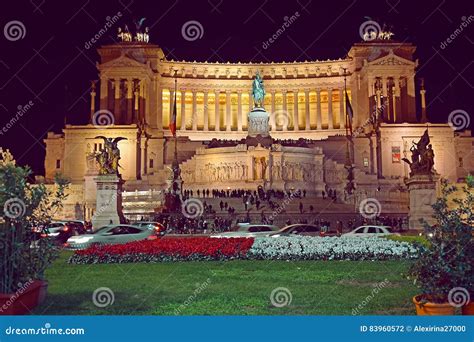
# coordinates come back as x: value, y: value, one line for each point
x: 230, y: 288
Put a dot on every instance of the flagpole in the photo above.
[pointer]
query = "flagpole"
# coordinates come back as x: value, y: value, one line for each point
x: 174, y: 106
x: 349, y: 145
x: 348, y: 154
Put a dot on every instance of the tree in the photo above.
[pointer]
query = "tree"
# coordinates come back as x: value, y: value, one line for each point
x: 24, y: 207
x: 447, y: 263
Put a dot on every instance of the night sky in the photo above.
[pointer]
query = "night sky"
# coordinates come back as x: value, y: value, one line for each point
x: 50, y: 66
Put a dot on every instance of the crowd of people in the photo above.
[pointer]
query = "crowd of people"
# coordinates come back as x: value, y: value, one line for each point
x: 263, y: 204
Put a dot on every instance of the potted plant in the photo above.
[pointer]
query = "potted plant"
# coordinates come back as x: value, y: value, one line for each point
x: 444, y: 271
x: 24, y: 254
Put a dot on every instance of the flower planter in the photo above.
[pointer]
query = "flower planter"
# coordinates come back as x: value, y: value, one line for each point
x: 24, y: 300
x: 432, y: 309
x: 468, y: 309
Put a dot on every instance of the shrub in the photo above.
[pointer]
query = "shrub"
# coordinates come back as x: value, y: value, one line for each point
x: 24, y: 257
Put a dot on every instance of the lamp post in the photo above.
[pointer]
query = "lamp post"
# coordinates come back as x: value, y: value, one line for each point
x: 349, y: 165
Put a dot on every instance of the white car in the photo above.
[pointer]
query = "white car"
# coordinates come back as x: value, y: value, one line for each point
x: 248, y: 230
x: 112, y: 235
x: 298, y: 229
x: 367, y: 231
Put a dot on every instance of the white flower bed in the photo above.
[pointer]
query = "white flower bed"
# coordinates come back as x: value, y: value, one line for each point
x: 330, y: 248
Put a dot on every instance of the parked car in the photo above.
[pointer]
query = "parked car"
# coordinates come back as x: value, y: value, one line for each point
x: 158, y: 227
x: 365, y: 231
x: 112, y: 234
x: 298, y: 229
x: 248, y: 230
x: 48, y: 230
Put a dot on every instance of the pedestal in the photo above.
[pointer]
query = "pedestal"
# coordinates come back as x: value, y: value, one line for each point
x: 422, y: 190
x: 109, y: 201
x: 258, y: 120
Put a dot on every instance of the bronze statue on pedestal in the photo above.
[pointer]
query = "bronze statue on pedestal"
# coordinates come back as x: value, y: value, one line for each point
x: 422, y: 157
x: 108, y: 157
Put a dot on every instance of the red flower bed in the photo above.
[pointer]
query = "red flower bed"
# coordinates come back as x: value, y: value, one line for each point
x: 166, y: 249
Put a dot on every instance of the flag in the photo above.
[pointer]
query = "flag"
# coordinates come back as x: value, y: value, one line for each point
x: 349, y: 111
x: 173, y: 118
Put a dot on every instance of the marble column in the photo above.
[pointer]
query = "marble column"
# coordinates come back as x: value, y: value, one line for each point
x: 228, y: 121
x: 239, y: 111
x: 396, y: 98
x: 103, y: 92
x: 272, y: 115
x: 206, y: 111
x: 216, y: 106
x: 307, y: 121
x: 171, y: 104
x: 159, y: 123
x: 384, y: 103
x: 129, y: 101
x: 117, y: 113
x: 330, y: 114
x: 285, y: 111
x: 183, y: 110
x: 318, y: 110
x: 371, y: 86
x: 139, y: 91
x: 378, y: 93
x: 342, y: 117
x: 142, y: 156
x: 295, y: 111
x: 93, y: 94
x: 195, y: 121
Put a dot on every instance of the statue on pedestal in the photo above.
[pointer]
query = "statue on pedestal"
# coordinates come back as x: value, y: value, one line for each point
x: 422, y: 157
x: 258, y: 91
x: 109, y: 156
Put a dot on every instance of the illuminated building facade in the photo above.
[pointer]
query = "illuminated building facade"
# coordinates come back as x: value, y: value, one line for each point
x: 133, y: 98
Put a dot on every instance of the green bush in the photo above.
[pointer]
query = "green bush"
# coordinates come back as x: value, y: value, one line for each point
x: 23, y: 206
x: 447, y: 263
